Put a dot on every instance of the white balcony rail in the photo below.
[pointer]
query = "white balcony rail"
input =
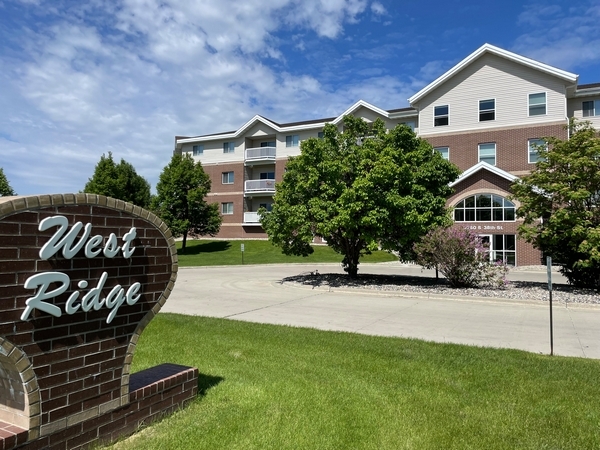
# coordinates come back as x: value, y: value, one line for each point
x: 259, y: 186
x: 251, y: 217
x: 260, y: 153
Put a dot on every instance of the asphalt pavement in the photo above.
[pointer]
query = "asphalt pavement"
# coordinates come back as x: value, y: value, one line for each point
x: 256, y: 294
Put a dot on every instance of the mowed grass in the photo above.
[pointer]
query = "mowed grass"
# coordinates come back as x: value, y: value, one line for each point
x: 224, y: 253
x: 276, y: 387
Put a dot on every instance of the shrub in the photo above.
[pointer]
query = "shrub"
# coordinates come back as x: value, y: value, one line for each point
x: 461, y: 256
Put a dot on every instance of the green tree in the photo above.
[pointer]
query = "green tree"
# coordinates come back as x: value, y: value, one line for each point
x: 360, y: 189
x: 5, y: 189
x: 180, y: 199
x: 119, y: 181
x: 564, y: 192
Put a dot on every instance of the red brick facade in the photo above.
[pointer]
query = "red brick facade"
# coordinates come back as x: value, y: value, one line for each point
x: 67, y: 366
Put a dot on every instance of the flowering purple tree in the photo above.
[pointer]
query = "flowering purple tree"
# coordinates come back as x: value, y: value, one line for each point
x: 461, y: 256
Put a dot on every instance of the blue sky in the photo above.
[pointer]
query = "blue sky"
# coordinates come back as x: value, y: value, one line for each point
x: 82, y: 78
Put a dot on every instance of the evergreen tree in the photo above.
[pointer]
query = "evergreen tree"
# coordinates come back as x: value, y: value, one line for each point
x: 180, y: 200
x: 5, y: 189
x: 119, y: 181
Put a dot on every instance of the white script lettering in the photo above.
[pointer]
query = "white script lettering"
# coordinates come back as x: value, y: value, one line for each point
x: 113, y: 301
x: 66, y: 242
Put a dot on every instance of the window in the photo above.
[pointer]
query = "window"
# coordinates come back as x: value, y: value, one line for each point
x: 197, y: 150
x: 320, y: 135
x: 291, y: 141
x: 228, y: 147
x: 268, y: 144
x: 537, y: 104
x: 227, y: 208
x: 410, y: 125
x: 533, y: 147
x: 267, y: 175
x: 444, y: 151
x: 591, y: 108
x: 227, y: 178
x: 440, y: 116
x: 484, y: 208
x: 503, y: 248
x: 487, y: 110
x: 487, y: 153
x: 267, y: 206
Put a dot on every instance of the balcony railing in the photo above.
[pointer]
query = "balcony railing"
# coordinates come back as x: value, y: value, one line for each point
x: 259, y: 186
x: 260, y: 154
x: 251, y: 217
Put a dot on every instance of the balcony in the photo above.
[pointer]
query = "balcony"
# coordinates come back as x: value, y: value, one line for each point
x: 259, y: 155
x: 251, y: 218
x: 259, y: 187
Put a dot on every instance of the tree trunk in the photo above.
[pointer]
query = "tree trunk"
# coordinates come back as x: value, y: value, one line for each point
x: 351, y: 257
x: 184, y: 241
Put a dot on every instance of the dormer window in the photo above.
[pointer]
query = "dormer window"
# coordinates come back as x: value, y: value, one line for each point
x: 440, y: 115
x: 487, y: 110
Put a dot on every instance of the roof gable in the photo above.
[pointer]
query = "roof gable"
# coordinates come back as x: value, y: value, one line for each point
x: 483, y: 166
x: 567, y: 77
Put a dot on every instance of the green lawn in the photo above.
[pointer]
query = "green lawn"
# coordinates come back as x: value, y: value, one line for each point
x: 217, y: 253
x: 275, y: 387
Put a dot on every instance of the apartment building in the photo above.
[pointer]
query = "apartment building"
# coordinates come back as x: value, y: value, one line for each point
x: 486, y: 114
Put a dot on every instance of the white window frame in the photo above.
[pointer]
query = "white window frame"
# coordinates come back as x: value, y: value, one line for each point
x: 197, y: 150
x: 507, y: 208
x: 595, y: 108
x: 441, y: 116
x: 292, y: 140
x: 444, y: 151
x: 227, y: 208
x: 487, y: 111
x: 227, y: 177
x: 531, y: 151
x: 537, y: 105
x: 487, y: 144
x: 229, y: 147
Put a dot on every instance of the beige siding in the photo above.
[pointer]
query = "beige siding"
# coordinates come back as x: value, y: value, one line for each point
x: 259, y: 130
x: 575, y: 108
x: 285, y: 152
x: 213, y: 151
x: 370, y: 116
x: 492, y: 77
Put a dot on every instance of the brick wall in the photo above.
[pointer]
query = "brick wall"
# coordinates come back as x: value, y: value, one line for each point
x: 511, y: 145
x: 484, y: 181
x: 75, y: 367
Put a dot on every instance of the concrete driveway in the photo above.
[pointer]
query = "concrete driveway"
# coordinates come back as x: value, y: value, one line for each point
x: 256, y: 294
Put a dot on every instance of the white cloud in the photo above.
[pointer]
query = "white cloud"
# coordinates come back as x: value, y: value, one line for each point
x: 563, y: 37
x: 378, y: 9
x: 128, y: 77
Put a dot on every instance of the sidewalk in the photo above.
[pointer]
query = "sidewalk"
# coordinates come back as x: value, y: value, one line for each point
x: 255, y: 294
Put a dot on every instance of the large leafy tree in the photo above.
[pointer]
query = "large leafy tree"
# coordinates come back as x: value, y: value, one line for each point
x: 5, y: 189
x: 180, y: 199
x: 360, y: 189
x: 119, y: 181
x: 560, y: 203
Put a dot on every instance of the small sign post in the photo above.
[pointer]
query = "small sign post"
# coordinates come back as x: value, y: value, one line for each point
x: 242, y: 247
x: 549, y: 268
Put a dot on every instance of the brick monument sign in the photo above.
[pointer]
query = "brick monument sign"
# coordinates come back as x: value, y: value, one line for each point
x: 80, y: 277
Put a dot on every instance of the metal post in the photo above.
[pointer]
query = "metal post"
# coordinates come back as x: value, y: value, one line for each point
x: 549, y: 268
